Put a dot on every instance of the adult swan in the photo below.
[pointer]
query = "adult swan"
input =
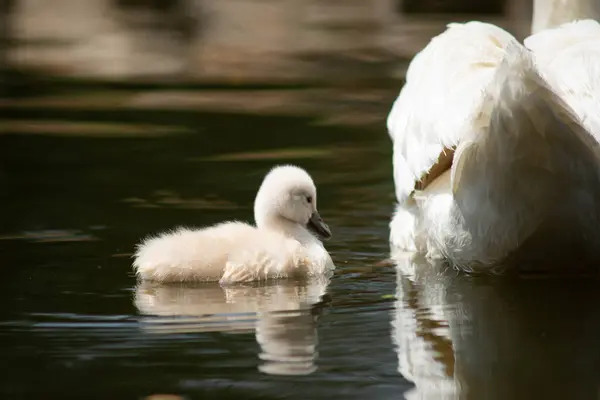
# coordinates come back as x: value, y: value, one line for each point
x: 496, y: 159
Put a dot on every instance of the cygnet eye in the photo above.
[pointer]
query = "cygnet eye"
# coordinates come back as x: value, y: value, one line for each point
x: 309, y: 199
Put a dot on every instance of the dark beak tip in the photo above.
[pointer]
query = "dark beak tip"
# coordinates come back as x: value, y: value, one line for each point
x: 325, y: 232
x: 319, y: 227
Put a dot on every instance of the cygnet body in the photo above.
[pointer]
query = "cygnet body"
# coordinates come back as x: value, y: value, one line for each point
x: 284, y: 243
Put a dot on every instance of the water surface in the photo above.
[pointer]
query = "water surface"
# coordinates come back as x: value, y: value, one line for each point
x: 81, y: 181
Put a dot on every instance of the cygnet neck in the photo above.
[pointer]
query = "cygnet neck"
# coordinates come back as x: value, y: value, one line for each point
x: 552, y: 13
x: 283, y: 225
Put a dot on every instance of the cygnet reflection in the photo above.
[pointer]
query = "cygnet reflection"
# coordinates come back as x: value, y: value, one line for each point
x: 283, y: 315
x: 462, y: 337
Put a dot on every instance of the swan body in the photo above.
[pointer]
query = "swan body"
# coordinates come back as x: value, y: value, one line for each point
x: 568, y: 57
x: 491, y: 163
x: 282, y: 244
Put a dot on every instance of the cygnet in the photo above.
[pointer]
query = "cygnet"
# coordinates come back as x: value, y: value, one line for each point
x: 286, y: 241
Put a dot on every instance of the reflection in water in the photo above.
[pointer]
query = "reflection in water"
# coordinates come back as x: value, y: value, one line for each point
x: 281, y: 313
x: 421, y: 334
x: 459, y: 337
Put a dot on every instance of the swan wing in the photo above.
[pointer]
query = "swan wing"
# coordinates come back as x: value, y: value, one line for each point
x: 443, y: 92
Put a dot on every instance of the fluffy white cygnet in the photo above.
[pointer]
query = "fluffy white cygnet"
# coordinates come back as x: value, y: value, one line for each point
x: 284, y: 243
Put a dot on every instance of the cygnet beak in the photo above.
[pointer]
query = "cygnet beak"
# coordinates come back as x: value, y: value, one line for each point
x: 318, y: 226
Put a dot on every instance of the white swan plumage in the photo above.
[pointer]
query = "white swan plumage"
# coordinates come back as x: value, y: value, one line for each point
x: 569, y: 59
x: 284, y: 243
x: 494, y: 150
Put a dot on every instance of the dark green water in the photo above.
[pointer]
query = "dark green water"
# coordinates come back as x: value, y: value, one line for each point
x: 74, y: 206
x: 75, y: 323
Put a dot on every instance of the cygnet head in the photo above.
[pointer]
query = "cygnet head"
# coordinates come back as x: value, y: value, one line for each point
x: 288, y: 195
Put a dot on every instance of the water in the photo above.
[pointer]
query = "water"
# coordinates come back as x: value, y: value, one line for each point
x: 82, y: 181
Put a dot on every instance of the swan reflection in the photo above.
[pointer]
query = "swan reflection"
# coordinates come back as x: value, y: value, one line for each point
x: 282, y: 314
x: 460, y: 337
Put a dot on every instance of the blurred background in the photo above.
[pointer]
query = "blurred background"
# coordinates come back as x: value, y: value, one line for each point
x: 112, y: 49
x: 234, y: 40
